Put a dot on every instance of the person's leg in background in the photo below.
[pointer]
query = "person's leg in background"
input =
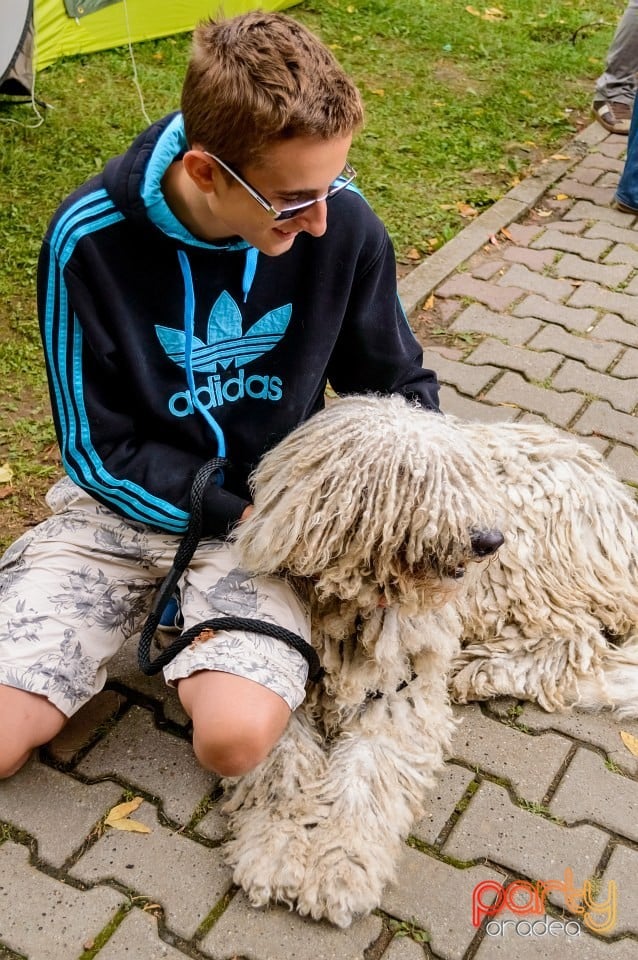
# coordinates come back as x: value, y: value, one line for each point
x: 616, y: 87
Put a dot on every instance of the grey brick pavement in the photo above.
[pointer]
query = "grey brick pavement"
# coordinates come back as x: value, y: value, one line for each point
x: 541, y: 326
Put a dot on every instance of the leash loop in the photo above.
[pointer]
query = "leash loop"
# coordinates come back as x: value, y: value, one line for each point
x: 183, y: 557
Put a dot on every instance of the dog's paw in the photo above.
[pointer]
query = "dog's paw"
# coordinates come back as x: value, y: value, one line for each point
x: 270, y: 863
x: 340, y: 884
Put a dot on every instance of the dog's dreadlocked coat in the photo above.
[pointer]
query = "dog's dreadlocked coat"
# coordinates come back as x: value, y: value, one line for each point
x: 387, y: 519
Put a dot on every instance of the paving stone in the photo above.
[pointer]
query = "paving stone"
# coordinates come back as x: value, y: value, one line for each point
x: 463, y: 285
x: 622, y: 394
x: 632, y: 287
x: 536, y: 365
x: 570, y: 317
x: 624, y: 461
x: 530, y: 763
x: 486, y: 269
x: 591, y: 295
x: 469, y: 380
x: 186, y: 878
x: 568, y: 226
x: 598, y: 354
x: 525, y: 279
x: 559, y: 240
x: 527, y: 843
x: 524, y: 233
x: 124, y: 668
x: 612, y: 231
x: 137, y: 938
x: 55, y: 808
x: 480, y: 320
x: 599, y: 729
x: 559, y: 408
x: 452, y: 402
x: 438, y: 897
x: 441, y: 801
x: 613, y: 328
x: 42, y: 918
x: 579, y: 269
x: 601, y: 162
x: 601, y: 418
x: 83, y: 725
x: 581, y: 191
x: 585, y: 174
x: 613, y: 146
x: 584, y: 210
x: 447, y: 309
x: 403, y: 949
x: 534, y: 259
x: 623, y: 870
x: 627, y: 366
x: 622, y: 253
x: 213, y: 826
x: 590, y: 791
x: 275, y: 932
x: 152, y: 760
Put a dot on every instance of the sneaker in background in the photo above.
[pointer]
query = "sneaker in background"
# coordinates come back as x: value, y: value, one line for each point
x: 614, y: 115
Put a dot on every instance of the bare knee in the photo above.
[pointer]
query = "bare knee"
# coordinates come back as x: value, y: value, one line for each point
x: 236, y: 722
x: 27, y: 720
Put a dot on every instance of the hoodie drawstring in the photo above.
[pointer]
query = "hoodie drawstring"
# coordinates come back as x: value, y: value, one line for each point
x: 250, y: 268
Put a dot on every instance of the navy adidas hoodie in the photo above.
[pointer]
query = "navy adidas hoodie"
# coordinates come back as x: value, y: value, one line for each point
x: 164, y: 351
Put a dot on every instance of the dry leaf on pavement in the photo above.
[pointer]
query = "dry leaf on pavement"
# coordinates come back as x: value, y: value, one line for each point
x: 117, y: 817
x: 630, y: 742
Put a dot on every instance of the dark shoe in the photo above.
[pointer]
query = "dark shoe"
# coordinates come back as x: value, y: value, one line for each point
x: 614, y: 115
x: 619, y: 205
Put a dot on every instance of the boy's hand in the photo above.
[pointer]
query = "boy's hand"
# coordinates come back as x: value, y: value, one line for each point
x: 247, y: 512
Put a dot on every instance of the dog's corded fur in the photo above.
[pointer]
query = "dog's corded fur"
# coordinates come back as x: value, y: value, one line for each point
x: 372, y: 510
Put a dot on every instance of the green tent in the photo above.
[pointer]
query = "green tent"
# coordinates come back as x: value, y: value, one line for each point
x: 35, y: 33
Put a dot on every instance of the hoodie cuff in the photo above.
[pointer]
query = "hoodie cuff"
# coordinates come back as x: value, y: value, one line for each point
x: 222, y: 511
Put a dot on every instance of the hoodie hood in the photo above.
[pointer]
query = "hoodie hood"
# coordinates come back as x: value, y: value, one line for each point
x: 134, y: 182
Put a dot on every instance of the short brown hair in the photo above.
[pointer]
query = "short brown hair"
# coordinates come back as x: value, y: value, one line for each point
x: 259, y: 78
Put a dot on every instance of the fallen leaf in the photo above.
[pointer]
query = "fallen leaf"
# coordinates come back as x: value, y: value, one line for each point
x: 413, y: 254
x: 508, y: 235
x: 380, y: 92
x: 560, y: 156
x: 429, y: 303
x: 542, y: 213
x: 132, y: 826
x: 562, y: 196
x: 630, y: 742
x: 489, y: 13
x: 123, y: 809
x: 466, y: 210
x: 118, y: 817
x: 6, y: 491
x: 6, y: 473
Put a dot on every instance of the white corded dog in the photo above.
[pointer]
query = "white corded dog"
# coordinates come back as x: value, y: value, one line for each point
x: 388, y: 518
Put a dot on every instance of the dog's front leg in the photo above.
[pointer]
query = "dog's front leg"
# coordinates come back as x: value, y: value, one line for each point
x: 270, y: 814
x: 374, y: 786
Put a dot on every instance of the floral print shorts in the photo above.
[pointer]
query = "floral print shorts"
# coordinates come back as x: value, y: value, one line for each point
x: 77, y: 586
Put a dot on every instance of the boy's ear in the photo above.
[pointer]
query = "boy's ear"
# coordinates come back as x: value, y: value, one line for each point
x: 202, y: 170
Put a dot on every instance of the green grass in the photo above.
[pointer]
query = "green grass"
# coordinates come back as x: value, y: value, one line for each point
x: 458, y: 107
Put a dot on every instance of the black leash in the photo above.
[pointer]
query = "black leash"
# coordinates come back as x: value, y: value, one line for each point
x: 183, y: 557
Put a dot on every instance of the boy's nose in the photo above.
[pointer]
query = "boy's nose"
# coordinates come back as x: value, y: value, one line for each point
x: 314, y: 219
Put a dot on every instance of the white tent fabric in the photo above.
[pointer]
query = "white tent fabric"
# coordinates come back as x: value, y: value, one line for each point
x: 16, y: 47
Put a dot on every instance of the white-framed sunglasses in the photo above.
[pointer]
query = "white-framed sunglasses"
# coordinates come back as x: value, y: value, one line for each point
x: 345, y: 177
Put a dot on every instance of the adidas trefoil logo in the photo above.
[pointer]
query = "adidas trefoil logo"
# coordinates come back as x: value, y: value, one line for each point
x: 226, y: 345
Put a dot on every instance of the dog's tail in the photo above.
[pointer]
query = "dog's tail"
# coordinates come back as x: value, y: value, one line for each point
x: 614, y: 685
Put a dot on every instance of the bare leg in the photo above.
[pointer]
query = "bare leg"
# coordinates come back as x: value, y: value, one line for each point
x: 236, y: 722
x: 27, y: 720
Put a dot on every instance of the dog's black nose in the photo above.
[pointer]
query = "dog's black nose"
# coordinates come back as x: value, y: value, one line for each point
x: 486, y: 542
